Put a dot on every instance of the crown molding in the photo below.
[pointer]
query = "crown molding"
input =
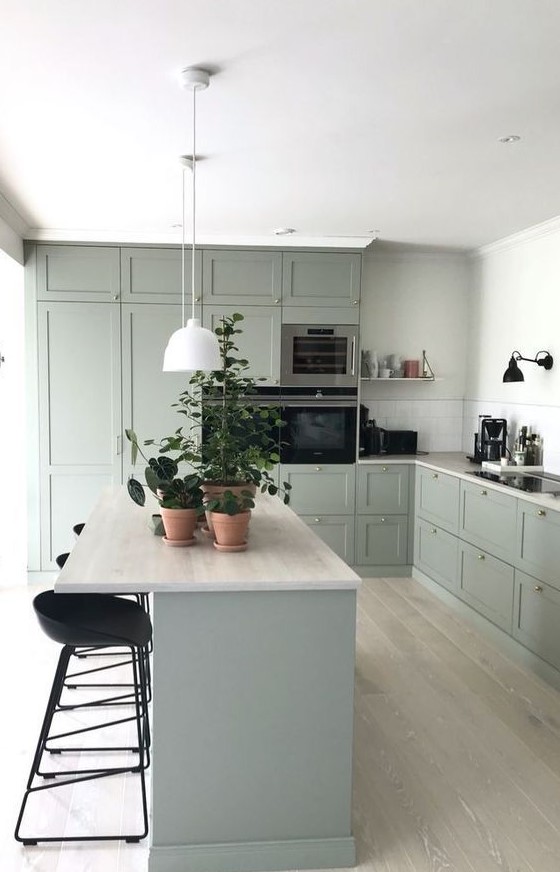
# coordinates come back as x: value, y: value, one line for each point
x: 12, y: 217
x: 296, y: 240
x: 530, y: 234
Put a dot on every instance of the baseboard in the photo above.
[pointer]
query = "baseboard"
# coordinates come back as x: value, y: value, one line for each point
x: 383, y: 571
x: 510, y: 646
x: 254, y: 856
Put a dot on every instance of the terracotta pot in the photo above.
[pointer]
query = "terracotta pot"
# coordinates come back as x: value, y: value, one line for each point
x: 231, y: 530
x: 179, y: 525
x: 214, y: 489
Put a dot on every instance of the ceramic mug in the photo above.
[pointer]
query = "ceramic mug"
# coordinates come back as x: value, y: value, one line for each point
x: 411, y: 368
x: 385, y: 373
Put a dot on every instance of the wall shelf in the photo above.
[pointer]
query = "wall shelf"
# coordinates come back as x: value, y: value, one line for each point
x: 429, y: 378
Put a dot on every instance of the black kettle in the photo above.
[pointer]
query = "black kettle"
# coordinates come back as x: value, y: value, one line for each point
x: 373, y: 441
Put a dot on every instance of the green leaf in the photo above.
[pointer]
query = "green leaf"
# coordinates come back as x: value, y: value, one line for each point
x: 136, y: 491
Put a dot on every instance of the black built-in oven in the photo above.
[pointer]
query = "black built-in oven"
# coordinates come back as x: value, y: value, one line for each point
x: 319, y: 425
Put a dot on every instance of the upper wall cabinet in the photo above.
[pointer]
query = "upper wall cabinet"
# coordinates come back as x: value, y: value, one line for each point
x: 259, y: 342
x: 78, y: 272
x: 153, y: 275
x: 321, y: 278
x: 242, y: 278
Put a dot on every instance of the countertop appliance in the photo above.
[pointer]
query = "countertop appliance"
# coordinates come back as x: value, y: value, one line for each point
x: 532, y: 484
x: 320, y: 425
x: 377, y: 440
x: 490, y: 441
x: 319, y: 355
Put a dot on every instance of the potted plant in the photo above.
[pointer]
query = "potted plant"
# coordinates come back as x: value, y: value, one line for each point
x: 180, y: 497
x: 240, y: 437
x: 230, y: 513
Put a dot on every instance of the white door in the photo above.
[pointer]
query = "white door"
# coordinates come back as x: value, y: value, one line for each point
x: 13, y: 507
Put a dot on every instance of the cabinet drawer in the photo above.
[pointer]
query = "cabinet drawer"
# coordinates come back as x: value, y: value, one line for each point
x: 536, y: 622
x: 382, y: 540
x: 486, y: 584
x: 539, y: 542
x: 383, y: 489
x: 321, y: 490
x: 242, y: 278
x: 489, y: 519
x: 337, y: 531
x: 85, y: 273
x: 153, y: 275
x: 437, y: 498
x: 436, y: 554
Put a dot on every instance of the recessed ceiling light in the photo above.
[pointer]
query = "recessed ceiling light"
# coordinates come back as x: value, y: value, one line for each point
x: 284, y: 231
x: 511, y: 138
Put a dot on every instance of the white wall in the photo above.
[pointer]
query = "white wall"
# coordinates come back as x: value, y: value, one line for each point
x: 13, y: 524
x: 413, y: 301
x: 515, y: 305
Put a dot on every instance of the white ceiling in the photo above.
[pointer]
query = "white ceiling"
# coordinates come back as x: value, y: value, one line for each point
x: 335, y: 117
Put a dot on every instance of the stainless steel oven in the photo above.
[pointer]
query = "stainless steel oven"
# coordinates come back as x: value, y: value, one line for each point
x: 319, y: 355
x: 319, y: 426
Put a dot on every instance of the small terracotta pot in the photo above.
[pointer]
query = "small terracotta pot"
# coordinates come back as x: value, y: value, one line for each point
x: 179, y: 525
x: 215, y: 489
x: 230, y: 530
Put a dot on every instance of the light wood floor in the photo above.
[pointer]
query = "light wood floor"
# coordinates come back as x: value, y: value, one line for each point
x: 457, y: 751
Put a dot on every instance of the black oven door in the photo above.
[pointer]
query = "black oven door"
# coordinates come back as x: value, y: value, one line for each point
x: 323, y: 430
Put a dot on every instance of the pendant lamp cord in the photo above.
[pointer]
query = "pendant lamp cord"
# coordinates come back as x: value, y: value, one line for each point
x: 193, y: 194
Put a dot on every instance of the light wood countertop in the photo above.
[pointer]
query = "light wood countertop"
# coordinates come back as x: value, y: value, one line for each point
x: 118, y: 553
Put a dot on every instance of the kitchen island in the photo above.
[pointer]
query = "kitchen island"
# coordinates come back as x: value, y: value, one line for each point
x: 253, y: 687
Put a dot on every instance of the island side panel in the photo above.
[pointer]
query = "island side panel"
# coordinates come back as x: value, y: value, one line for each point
x: 253, y: 722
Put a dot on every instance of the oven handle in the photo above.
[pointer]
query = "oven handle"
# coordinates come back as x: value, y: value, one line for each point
x: 353, y: 365
x: 320, y: 404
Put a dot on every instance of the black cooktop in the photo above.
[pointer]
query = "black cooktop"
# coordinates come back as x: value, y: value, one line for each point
x: 532, y: 484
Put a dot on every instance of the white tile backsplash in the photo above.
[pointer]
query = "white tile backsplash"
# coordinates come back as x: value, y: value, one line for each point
x: 439, y: 422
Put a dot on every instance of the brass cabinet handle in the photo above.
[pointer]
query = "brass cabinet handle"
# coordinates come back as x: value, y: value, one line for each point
x: 197, y: 299
x: 538, y: 588
x: 317, y: 520
x: 382, y: 520
x: 541, y: 513
x: 433, y: 530
x: 317, y: 469
x: 384, y: 469
x: 276, y: 301
x: 481, y: 556
x: 355, y: 302
x: 435, y: 475
x: 483, y: 493
x: 115, y: 296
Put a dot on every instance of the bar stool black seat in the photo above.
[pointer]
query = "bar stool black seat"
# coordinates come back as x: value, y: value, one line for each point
x: 80, y: 620
x: 77, y: 528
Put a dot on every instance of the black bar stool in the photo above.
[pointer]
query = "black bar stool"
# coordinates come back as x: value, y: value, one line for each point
x: 78, y: 620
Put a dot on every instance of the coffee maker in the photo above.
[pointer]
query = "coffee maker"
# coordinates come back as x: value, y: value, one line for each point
x: 490, y: 441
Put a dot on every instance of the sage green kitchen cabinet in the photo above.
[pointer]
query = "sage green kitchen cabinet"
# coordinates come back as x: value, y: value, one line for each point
x: 488, y: 519
x: 153, y: 275
x: 320, y: 278
x: 437, y: 498
x: 536, y: 617
x: 486, y: 584
x: 88, y: 273
x: 318, y: 490
x: 381, y: 540
x: 148, y: 392
x: 383, y: 489
x: 259, y: 342
x: 436, y: 553
x: 337, y: 531
x: 80, y: 414
x: 242, y: 278
x: 538, y: 542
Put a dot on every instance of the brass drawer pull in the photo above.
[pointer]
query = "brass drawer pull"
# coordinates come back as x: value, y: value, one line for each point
x: 317, y: 469
x: 433, y: 530
x: 317, y: 520
x: 541, y: 513
x: 384, y: 469
x: 481, y: 556
x: 435, y: 475
x: 382, y: 520
x: 538, y: 588
x: 483, y: 493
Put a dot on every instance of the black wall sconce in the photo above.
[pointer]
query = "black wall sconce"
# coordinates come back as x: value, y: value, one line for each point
x: 514, y: 374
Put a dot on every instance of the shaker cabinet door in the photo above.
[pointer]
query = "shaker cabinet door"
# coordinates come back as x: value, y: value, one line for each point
x: 85, y: 273
x: 154, y: 275
x: 80, y: 411
x: 242, y: 278
x: 383, y: 489
x: 321, y: 278
x: 437, y: 498
x: 337, y: 531
x: 259, y: 342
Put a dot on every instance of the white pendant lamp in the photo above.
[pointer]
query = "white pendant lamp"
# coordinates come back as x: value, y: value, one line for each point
x: 192, y: 347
